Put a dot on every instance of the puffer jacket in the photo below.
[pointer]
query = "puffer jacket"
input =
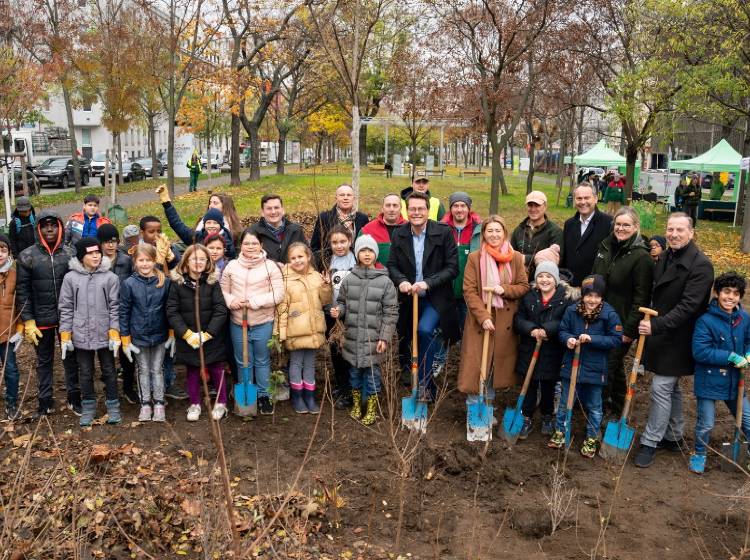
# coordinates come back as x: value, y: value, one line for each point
x: 143, y: 310
x: 122, y: 265
x: 76, y: 224
x: 533, y: 314
x: 40, y: 272
x: 213, y: 316
x: 368, y: 305
x: 717, y: 334
x: 261, y: 285
x: 22, y: 232
x: 605, y: 333
x: 300, y: 322
x: 8, y: 312
x: 89, y: 304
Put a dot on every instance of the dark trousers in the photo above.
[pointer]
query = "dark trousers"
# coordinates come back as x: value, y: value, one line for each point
x: 45, y: 356
x: 691, y: 211
x: 85, y: 360
x: 617, y: 382
x: 128, y: 371
x: 341, y: 381
x: 546, y: 389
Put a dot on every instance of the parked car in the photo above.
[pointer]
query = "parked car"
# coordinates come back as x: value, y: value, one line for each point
x: 204, y: 162
x: 58, y: 172
x: 97, y: 164
x: 131, y: 171
x: 31, y: 179
x: 216, y: 161
x: 146, y: 164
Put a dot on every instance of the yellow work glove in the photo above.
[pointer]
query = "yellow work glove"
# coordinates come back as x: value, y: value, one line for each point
x: 114, y: 340
x: 33, y: 334
x: 193, y: 339
x: 66, y: 343
x: 128, y: 348
x: 205, y: 337
x: 163, y: 193
x: 164, y: 253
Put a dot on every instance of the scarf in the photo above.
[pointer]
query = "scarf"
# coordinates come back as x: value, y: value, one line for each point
x: 589, y: 317
x: 494, y: 269
x: 346, y: 220
x: 253, y: 261
x: 7, y: 265
x: 192, y: 284
x: 277, y: 232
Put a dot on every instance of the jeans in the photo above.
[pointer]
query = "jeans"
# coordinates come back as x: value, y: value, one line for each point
x: 85, y: 360
x: 590, y: 397
x: 169, y: 373
x: 441, y: 355
x: 259, y: 354
x: 150, y: 375
x: 11, y: 374
x: 704, y: 420
x: 547, y: 401
x: 366, y: 379
x: 665, y: 419
x: 341, y: 371
x: 302, y: 368
x: 617, y: 383
x: 45, y: 355
x: 193, y: 382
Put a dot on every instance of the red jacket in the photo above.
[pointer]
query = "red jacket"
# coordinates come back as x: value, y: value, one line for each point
x: 379, y: 232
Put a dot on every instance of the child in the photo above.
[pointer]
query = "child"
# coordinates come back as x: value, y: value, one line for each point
x: 721, y: 348
x: 368, y: 304
x: 216, y: 246
x: 144, y: 330
x: 538, y: 318
x: 22, y: 227
x: 342, y: 261
x: 196, y: 272
x: 85, y: 223
x: 301, y: 324
x: 90, y: 324
x: 657, y: 245
x: 167, y: 255
x: 11, y: 330
x: 595, y: 326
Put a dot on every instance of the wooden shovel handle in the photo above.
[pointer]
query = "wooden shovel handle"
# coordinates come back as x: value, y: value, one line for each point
x: 532, y: 365
x: 485, y: 346
x: 574, y: 377
x: 633, y: 378
x: 414, y: 342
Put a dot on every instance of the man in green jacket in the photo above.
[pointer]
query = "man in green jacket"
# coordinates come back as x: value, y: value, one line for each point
x: 536, y: 232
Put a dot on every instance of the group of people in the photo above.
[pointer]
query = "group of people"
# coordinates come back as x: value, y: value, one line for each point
x: 575, y: 289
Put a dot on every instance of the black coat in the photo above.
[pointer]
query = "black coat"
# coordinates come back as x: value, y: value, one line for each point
x: 213, y: 315
x: 578, y: 253
x: 682, y: 287
x: 532, y: 315
x: 275, y: 249
x: 325, y: 223
x: 122, y: 265
x: 439, y: 268
x: 22, y: 232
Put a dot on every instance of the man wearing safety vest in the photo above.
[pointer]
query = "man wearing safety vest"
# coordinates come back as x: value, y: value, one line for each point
x: 421, y: 185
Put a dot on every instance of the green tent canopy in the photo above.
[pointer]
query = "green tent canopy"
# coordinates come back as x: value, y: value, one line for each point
x: 722, y: 157
x: 600, y: 155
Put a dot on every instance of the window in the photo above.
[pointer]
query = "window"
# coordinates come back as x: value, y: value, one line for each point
x: 86, y: 137
x: 87, y: 106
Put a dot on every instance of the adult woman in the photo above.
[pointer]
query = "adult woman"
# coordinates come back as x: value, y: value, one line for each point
x: 252, y: 287
x: 691, y: 198
x: 194, y: 166
x: 498, y: 266
x: 624, y: 261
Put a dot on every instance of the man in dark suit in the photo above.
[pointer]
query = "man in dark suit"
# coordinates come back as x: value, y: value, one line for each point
x: 342, y: 213
x: 582, y: 234
x: 424, y: 261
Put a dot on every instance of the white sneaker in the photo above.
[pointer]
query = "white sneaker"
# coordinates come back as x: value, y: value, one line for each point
x: 145, y: 414
x: 219, y: 411
x: 194, y: 413
x: 159, y: 415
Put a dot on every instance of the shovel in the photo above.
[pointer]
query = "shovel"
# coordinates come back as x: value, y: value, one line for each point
x: 737, y: 449
x: 513, y: 417
x: 479, y: 414
x: 245, y: 393
x: 414, y: 412
x: 572, y: 394
x: 618, y: 437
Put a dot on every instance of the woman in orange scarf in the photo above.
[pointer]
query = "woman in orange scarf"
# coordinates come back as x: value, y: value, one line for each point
x: 498, y: 266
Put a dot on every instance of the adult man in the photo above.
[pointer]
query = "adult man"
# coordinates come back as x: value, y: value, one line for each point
x: 41, y: 268
x: 582, y: 234
x: 85, y: 223
x: 22, y: 231
x: 381, y: 228
x: 274, y: 231
x: 421, y: 185
x: 424, y: 261
x: 536, y: 232
x: 342, y: 213
x: 682, y: 286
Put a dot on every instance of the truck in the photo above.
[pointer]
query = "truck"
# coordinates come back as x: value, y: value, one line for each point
x: 39, y: 145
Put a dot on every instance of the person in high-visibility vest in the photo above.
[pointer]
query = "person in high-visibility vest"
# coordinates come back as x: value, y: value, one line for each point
x: 421, y: 185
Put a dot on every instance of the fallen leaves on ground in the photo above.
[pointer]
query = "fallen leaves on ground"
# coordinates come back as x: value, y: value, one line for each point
x: 722, y: 246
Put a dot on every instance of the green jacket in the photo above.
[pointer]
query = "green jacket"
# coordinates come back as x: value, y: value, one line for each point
x: 529, y: 242
x: 194, y: 169
x: 628, y: 270
x: 717, y: 190
x: 467, y: 241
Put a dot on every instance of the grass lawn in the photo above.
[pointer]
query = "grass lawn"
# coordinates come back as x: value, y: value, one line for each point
x: 52, y: 197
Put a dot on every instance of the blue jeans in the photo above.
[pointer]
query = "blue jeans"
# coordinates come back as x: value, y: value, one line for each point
x: 705, y: 413
x: 366, y: 379
x: 259, y: 354
x: 441, y: 355
x: 429, y: 342
x: 590, y: 397
x: 11, y: 374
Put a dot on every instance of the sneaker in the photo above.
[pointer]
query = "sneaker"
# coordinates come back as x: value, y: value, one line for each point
x: 645, y: 456
x: 159, y: 414
x: 43, y: 411
x: 589, y: 447
x: 265, y: 406
x: 557, y: 441
x: 145, y: 414
x: 75, y: 408
x: 672, y: 445
x: 697, y: 463
x: 11, y: 412
x: 219, y: 411
x: 194, y: 413
x: 528, y: 426
x: 175, y: 393
x: 130, y: 395
x: 547, y: 425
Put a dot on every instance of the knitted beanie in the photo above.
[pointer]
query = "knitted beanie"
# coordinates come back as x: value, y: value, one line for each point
x: 365, y: 242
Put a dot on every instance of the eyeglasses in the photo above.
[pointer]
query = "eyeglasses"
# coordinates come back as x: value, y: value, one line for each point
x: 624, y: 226
x: 199, y: 261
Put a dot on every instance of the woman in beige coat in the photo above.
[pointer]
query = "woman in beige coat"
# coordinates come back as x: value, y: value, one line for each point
x: 495, y: 265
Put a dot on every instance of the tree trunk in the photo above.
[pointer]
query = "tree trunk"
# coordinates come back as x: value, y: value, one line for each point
x: 118, y: 177
x: 363, y: 144
x: 530, y: 175
x: 234, y: 155
x: 72, y: 136
x: 631, y: 158
x: 208, y: 157
x: 580, y: 131
x: 171, y: 110
x: 355, y: 154
x: 152, y: 143
x: 560, y: 164
x: 497, y: 173
x: 281, y: 155
x: 745, y: 190
x: 254, y: 132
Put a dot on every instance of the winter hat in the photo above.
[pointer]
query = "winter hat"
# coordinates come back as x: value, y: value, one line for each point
x: 107, y: 232
x: 213, y: 215
x: 550, y: 254
x: 550, y: 268
x: 130, y: 231
x: 4, y: 240
x: 593, y: 284
x: 365, y: 242
x: 86, y: 245
x: 459, y: 196
x: 661, y: 240
x: 23, y: 203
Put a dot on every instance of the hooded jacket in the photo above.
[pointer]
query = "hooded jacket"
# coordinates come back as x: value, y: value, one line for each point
x: 22, y: 232
x: 276, y: 249
x: 437, y: 210
x: 7, y: 298
x: 143, y: 310
x: 40, y: 272
x: 89, y: 304
x: 76, y: 224
x: 189, y: 236
x: 301, y: 322
x: 467, y: 240
x: 381, y: 233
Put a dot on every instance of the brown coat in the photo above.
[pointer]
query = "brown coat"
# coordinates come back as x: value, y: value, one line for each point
x: 7, y: 297
x: 504, y: 343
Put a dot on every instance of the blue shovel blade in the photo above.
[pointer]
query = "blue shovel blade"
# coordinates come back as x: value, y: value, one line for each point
x: 619, y: 436
x: 479, y: 421
x: 413, y: 412
x: 245, y: 393
x: 513, y: 421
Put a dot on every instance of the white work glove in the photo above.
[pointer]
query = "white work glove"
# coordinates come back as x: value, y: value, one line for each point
x: 16, y: 341
x: 129, y: 350
x: 170, y: 345
x: 66, y: 347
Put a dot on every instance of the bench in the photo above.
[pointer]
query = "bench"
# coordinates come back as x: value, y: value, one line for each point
x: 719, y: 210
x: 435, y: 172
x: 333, y: 168
x: 472, y: 172
x: 377, y: 170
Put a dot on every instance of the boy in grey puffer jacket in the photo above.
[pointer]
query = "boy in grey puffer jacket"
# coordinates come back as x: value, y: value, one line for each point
x: 90, y: 324
x: 368, y: 305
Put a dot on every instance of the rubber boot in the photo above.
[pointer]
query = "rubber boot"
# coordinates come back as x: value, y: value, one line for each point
x: 113, y: 412
x: 372, y: 411
x: 309, y: 396
x: 298, y: 402
x: 88, y: 411
x: 356, y: 411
